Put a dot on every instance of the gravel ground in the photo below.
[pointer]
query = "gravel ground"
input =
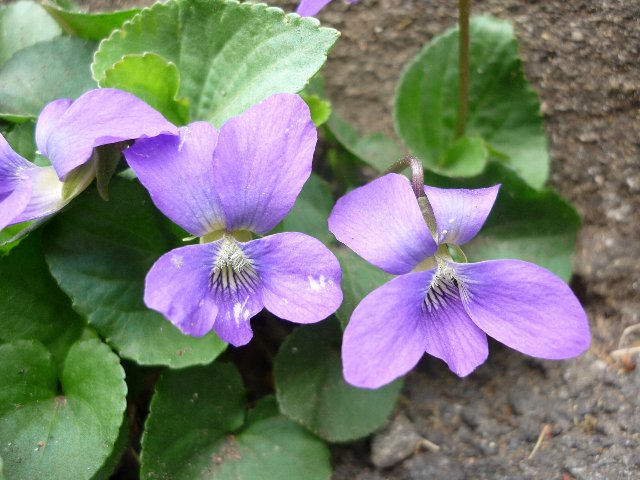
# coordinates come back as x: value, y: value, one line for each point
x: 583, y: 414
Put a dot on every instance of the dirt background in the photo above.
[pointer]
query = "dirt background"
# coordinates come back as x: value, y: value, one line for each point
x: 583, y: 59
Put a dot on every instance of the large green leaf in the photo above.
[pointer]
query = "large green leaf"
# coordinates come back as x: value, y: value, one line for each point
x: 43, y: 72
x: 377, y: 150
x: 152, y: 79
x: 50, y: 432
x: 359, y: 278
x: 92, y: 26
x: 32, y: 306
x: 195, y: 431
x: 537, y: 226
x: 503, y: 108
x: 100, y: 252
x: 312, y: 391
x: 230, y: 55
x: 22, y: 24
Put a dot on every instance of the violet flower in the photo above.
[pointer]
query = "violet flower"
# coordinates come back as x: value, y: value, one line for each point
x: 437, y: 305
x: 309, y: 8
x: 221, y: 186
x: 67, y: 132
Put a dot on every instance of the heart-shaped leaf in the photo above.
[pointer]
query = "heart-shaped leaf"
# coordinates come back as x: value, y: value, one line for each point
x: 503, y: 108
x: 312, y: 390
x: 100, y: 252
x: 59, y: 432
x: 32, y: 306
x: 195, y: 431
x: 230, y: 55
x: 22, y: 24
x: 43, y: 72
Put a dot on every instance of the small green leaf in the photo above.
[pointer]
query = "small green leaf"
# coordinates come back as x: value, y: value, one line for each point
x: 537, y: 226
x: 194, y: 432
x: 92, y: 26
x: 311, y: 389
x: 152, y: 79
x: 465, y: 157
x: 100, y: 252
x: 32, y: 306
x: 503, y: 108
x: 377, y: 150
x: 320, y: 109
x: 230, y: 55
x: 50, y: 432
x: 43, y: 72
x: 359, y: 278
x: 310, y: 212
x: 22, y: 24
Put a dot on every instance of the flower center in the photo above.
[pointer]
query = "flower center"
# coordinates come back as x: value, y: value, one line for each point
x: 232, y: 269
x: 444, y: 287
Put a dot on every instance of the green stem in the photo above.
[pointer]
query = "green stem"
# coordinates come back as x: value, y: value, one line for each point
x: 464, y: 6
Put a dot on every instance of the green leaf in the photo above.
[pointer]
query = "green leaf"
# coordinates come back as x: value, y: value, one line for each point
x: 377, y: 150
x: 50, y: 432
x: 152, y: 79
x: 22, y: 139
x: 230, y: 55
x: 189, y: 433
x: 359, y: 278
x: 100, y: 252
x: 310, y: 212
x: 537, y: 226
x: 312, y: 391
x: 92, y: 26
x: 22, y: 24
x: 320, y: 109
x: 465, y: 157
x: 503, y: 108
x: 32, y: 306
x: 43, y: 72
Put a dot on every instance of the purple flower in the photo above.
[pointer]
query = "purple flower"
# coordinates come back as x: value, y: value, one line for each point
x: 67, y: 133
x: 437, y: 305
x: 308, y: 8
x: 220, y: 186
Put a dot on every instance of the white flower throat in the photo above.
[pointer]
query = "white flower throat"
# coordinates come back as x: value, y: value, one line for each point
x: 232, y: 269
x: 446, y: 285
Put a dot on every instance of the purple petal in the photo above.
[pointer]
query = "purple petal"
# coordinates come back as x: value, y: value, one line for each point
x: 97, y: 118
x: 450, y: 333
x: 308, y: 8
x: 460, y: 213
x: 13, y: 202
x: 181, y: 285
x: 178, y: 172
x: 262, y: 160
x: 525, y: 307
x: 48, y: 121
x: 382, y: 223
x: 300, y: 276
x: 178, y: 287
x: 386, y: 335
x: 15, y: 187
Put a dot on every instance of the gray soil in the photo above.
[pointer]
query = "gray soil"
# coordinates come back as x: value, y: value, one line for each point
x: 583, y: 59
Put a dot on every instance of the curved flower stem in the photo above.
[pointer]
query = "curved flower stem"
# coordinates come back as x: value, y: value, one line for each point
x: 464, y: 7
x: 417, y: 185
x: 417, y: 173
